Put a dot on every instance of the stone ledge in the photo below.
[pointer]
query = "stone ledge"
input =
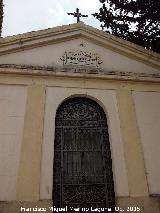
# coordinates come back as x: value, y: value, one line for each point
x: 77, y: 71
x: 19, y: 206
x: 145, y: 204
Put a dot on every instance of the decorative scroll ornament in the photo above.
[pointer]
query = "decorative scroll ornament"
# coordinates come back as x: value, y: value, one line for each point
x: 81, y: 58
x: 82, y: 169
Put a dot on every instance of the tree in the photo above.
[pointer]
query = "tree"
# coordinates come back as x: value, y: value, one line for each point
x: 1, y: 15
x: 137, y: 21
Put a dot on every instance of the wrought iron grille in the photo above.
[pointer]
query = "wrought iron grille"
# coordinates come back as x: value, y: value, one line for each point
x: 82, y: 171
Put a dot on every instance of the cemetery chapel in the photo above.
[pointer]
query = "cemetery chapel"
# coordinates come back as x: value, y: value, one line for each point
x: 79, y: 122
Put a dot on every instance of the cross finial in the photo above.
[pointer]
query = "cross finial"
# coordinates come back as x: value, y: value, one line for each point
x: 102, y: 26
x: 77, y: 14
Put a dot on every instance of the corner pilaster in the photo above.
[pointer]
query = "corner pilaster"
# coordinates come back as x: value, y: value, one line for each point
x: 137, y: 180
x: 28, y: 180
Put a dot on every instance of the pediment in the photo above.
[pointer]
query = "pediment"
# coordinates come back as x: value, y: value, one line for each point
x: 77, y: 45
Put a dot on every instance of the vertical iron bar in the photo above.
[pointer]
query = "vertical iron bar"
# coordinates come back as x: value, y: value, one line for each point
x: 104, y: 170
x: 61, y: 181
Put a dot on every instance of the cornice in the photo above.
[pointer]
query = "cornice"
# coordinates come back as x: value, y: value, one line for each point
x: 77, y: 72
x: 79, y: 30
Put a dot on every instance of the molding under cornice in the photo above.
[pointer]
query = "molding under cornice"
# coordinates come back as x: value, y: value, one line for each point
x: 77, y: 72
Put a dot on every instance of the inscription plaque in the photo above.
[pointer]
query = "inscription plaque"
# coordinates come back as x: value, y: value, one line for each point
x: 81, y: 58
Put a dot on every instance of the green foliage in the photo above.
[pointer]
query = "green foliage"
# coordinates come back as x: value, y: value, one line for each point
x: 1, y: 15
x: 137, y: 21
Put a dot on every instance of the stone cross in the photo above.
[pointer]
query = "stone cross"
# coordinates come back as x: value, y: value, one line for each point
x: 77, y: 14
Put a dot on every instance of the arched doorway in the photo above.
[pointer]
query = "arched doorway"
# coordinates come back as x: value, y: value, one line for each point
x: 82, y: 171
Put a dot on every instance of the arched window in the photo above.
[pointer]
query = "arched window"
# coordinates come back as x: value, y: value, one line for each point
x: 82, y: 171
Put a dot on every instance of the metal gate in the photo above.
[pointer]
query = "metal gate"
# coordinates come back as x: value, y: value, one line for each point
x: 82, y: 172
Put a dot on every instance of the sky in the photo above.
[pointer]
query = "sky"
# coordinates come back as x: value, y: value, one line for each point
x: 22, y: 16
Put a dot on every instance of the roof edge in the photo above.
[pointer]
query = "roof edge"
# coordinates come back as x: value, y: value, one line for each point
x: 19, y: 42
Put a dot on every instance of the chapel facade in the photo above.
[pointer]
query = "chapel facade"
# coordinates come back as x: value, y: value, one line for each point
x: 80, y: 121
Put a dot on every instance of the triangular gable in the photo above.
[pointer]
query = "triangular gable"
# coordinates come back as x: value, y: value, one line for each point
x: 77, y: 45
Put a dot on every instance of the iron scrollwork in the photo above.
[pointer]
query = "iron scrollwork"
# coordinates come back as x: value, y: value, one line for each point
x: 82, y: 173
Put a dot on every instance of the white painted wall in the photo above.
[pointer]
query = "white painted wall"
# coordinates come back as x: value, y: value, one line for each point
x: 12, y: 110
x: 50, y: 55
x: 107, y: 99
x: 147, y: 106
